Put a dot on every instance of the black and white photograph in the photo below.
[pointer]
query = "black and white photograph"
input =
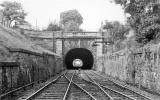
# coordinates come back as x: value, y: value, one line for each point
x: 79, y: 49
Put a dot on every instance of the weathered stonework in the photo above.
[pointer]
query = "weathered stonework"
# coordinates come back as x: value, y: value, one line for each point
x: 32, y: 68
x: 139, y: 66
x: 33, y: 62
x: 48, y: 39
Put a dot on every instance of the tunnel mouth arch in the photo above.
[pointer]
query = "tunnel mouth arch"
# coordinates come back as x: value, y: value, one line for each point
x: 83, y: 54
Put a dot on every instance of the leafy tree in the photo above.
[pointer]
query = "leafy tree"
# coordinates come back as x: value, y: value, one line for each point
x: 116, y: 31
x: 71, y: 20
x: 144, y: 18
x: 12, y: 12
x: 53, y: 27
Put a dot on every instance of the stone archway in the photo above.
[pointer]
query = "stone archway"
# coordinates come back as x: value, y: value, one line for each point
x: 82, y: 54
x: 70, y: 44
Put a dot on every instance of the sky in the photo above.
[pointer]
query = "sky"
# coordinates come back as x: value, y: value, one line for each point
x: 94, y: 12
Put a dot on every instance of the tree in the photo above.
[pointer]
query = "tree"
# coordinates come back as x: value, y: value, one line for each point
x: 53, y: 27
x: 71, y: 20
x: 12, y: 12
x: 144, y: 18
x: 116, y: 31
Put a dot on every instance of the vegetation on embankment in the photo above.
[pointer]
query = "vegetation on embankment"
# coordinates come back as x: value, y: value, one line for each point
x: 32, y: 61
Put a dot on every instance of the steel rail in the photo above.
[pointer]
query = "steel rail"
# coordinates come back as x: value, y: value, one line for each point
x: 38, y: 91
x: 70, y: 81
x: 15, y: 90
x: 82, y: 89
x: 109, y: 88
x: 123, y: 86
x: 93, y: 82
x: 18, y: 89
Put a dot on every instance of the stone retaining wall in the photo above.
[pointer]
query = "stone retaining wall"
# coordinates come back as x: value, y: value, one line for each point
x: 31, y: 68
x: 137, y: 66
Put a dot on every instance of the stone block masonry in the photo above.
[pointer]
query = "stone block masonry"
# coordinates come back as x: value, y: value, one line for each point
x: 30, y: 68
x: 33, y: 61
x: 140, y: 67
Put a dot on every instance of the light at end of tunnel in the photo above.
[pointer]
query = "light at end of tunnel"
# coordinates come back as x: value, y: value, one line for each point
x: 77, y: 63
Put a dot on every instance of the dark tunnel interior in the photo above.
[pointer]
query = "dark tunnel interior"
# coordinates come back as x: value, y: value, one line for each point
x: 79, y: 53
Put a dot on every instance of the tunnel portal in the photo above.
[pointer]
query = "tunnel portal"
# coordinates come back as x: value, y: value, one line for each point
x: 81, y: 57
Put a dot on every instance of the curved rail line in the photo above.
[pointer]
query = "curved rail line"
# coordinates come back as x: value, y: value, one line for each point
x: 69, y: 76
x: 127, y: 92
x: 32, y: 96
x: 70, y: 81
x: 90, y: 95
x: 114, y: 92
x: 102, y: 95
x: 86, y: 83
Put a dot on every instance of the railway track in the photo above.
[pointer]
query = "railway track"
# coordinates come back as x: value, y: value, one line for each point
x: 116, y: 91
x: 76, y: 92
x: 95, y: 91
x: 62, y: 88
x: 85, y: 85
x: 54, y: 90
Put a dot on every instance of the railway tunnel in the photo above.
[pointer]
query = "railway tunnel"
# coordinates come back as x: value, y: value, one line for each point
x: 79, y: 58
